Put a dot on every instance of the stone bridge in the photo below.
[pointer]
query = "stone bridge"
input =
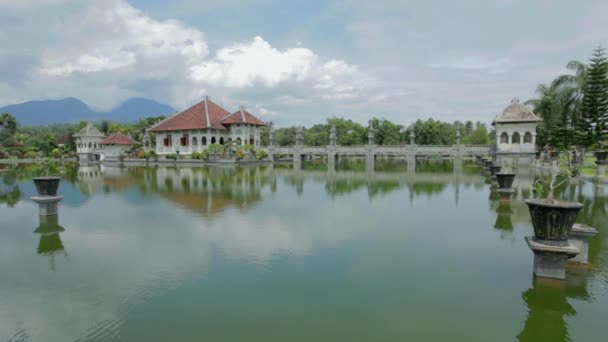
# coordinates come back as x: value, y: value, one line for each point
x: 371, y: 150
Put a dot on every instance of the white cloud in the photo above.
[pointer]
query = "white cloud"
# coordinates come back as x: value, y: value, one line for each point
x: 114, y: 35
x: 245, y: 64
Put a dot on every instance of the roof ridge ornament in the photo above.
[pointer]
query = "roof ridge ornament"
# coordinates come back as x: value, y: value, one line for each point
x: 207, y: 112
x: 514, y: 100
x: 243, y: 114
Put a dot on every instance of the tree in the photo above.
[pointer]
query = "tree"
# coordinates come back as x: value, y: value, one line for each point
x: 386, y: 132
x: 8, y: 128
x: 348, y: 132
x: 556, y: 105
x: 479, y: 136
x: 594, y: 106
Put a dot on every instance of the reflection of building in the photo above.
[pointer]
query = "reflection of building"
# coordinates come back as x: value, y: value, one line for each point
x: 209, y: 190
x: 516, y: 129
x: 203, y: 124
x: 88, y: 145
x: 90, y: 178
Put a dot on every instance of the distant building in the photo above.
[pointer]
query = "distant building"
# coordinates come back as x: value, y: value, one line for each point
x: 516, y: 129
x: 63, y: 140
x: 203, y: 124
x: 115, y: 145
x: 88, y: 145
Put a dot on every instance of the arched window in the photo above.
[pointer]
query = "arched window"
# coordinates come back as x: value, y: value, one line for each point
x: 213, y: 140
x: 194, y: 141
x: 515, y: 139
x: 221, y: 140
x: 229, y: 139
x: 94, y: 145
x: 528, y: 138
x: 504, y: 138
x: 204, y: 141
x: 238, y: 141
x: 89, y: 144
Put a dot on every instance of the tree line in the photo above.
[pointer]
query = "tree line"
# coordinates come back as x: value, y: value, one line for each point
x: 348, y: 132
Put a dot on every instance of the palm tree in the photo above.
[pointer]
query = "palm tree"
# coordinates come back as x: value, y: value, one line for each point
x: 557, y: 106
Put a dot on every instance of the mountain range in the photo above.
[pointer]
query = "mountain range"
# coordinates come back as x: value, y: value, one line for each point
x: 44, y: 112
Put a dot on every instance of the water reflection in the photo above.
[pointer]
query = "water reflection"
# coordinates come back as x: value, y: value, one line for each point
x: 289, y: 241
x: 549, y: 306
x: 50, y: 243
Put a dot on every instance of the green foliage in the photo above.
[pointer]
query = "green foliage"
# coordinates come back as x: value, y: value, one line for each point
x: 171, y: 156
x: 55, y: 153
x: 478, y: 136
x: 240, y: 153
x: 593, y: 123
x: 261, y: 154
x: 215, y: 148
x: 386, y: 132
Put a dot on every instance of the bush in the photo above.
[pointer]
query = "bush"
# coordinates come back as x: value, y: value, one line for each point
x: 55, y: 153
x: 204, y: 155
x: 195, y: 155
x: 261, y: 154
x: 171, y: 156
x: 31, y: 155
x: 240, y: 153
x: 215, y: 148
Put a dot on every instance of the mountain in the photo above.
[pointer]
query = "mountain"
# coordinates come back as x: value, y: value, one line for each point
x: 135, y: 108
x: 45, y: 112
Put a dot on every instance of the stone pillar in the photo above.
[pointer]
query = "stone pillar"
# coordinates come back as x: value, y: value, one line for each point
x: 458, y: 137
x: 47, y: 205
x: 332, y: 135
x: 147, y: 142
x: 331, y: 161
x: 273, y: 137
x: 300, y: 136
x: 579, y: 237
x: 549, y: 260
x: 412, y: 137
x: 370, y: 134
x: 601, y: 168
x: 509, y: 138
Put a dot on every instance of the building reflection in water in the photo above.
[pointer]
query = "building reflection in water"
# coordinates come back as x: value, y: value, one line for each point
x: 50, y: 243
x: 211, y: 189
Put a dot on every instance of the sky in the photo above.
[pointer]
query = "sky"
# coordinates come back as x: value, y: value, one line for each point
x: 296, y: 62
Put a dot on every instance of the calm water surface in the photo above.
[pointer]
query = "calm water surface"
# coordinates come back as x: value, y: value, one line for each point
x: 276, y: 254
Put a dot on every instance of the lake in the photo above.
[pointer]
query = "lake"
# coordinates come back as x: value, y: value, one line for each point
x: 275, y: 254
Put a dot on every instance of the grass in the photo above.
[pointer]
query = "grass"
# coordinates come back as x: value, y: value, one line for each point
x: 589, y: 168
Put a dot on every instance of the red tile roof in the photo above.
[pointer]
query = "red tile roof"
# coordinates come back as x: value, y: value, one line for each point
x: 242, y: 116
x: 64, y: 139
x: 205, y: 114
x: 118, y: 139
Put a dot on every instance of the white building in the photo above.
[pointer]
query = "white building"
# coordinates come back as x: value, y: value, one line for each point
x: 204, y: 124
x: 88, y: 145
x: 516, y: 129
x: 116, y: 145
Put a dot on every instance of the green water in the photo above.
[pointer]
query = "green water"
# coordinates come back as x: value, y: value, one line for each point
x: 276, y: 254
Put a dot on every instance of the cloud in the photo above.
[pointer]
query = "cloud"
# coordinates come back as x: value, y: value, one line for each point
x: 245, y: 64
x: 114, y: 35
x: 475, y: 64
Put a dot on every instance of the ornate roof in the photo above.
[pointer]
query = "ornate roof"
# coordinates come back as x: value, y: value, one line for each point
x: 205, y: 114
x: 516, y: 112
x: 89, y: 131
x: 242, y: 116
x: 118, y: 139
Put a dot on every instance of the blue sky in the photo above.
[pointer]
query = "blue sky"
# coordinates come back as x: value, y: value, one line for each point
x: 296, y: 62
